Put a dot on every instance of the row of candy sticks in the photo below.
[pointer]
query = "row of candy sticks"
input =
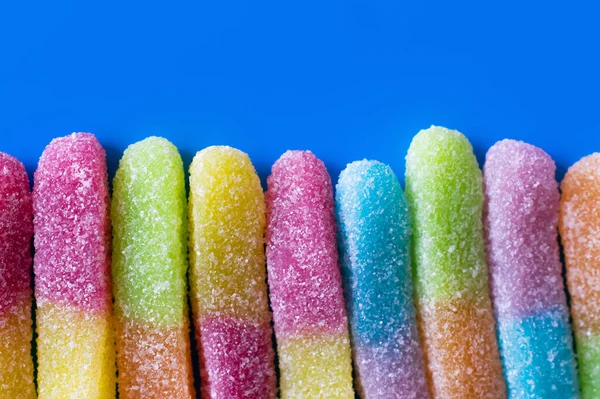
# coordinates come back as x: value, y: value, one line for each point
x: 452, y: 291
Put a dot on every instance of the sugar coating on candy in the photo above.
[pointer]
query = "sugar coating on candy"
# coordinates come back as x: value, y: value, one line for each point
x: 153, y: 361
x: 444, y: 190
x: 228, y: 276
x: 537, y: 354
x: 150, y: 234
x: 522, y: 203
x: 579, y: 224
x: 149, y: 272
x: 445, y: 195
x: 235, y: 355
x: 76, y: 354
x: 315, y: 367
x: 227, y: 220
x: 16, y: 229
x: 461, y: 351
x: 305, y: 282
x: 75, y: 345
x: 16, y: 377
x: 72, y: 226
x: 374, y: 240
x: 588, y: 360
x: 521, y: 226
x: 304, y: 276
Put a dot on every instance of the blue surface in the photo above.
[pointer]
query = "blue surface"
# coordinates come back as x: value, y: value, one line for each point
x: 346, y: 79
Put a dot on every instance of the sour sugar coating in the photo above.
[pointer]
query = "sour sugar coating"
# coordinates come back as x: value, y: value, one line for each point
x: 374, y: 242
x: 579, y: 224
x: 228, y: 276
x: 149, y: 218
x: 521, y: 223
x: 16, y: 229
x: 304, y: 280
x: 445, y: 195
x: 75, y: 344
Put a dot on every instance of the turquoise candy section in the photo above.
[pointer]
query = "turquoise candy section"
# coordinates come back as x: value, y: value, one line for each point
x: 528, y: 346
x: 374, y: 239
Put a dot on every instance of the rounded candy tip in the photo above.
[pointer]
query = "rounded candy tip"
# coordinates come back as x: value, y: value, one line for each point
x: 73, y: 137
x: 438, y: 133
x: 152, y: 141
x: 296, y: 156
x: 9, y: 160
x: 11, y: 166
x: 510, y: 147
x: 587, y: 164
x: 217, y: 153
x: 436, y: 140
x: 360, y: 169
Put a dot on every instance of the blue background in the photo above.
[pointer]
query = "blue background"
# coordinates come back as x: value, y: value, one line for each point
x: 345, y: 79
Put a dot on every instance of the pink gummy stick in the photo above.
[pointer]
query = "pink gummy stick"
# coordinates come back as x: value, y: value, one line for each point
x: 75, y: 345
x: 302, y: 259
x: 522, y: 218
x: 16, y: 229
x: 305, y: 281
x: 72, y: 265
x: 234, y: 352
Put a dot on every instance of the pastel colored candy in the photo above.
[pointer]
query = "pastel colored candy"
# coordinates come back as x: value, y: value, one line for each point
x: 579, y: 224
x: 374, y: 242
x: 305, y: 282
x: 149, y: 218
x: 227, y: 276
x: 445, y: 195
x: 521, y: 221
x: 16, y: 229
x: 75, y: 344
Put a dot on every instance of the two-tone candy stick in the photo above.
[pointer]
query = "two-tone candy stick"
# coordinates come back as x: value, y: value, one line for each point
x: 16, y: 229
x: 521, y: 223
x: 374, y: 241
x: 445, y: 195
x: 228, y: 276
x: 149, y: 218
x: 311, y: 326
x: 579, y: 225
x: 75, y: 344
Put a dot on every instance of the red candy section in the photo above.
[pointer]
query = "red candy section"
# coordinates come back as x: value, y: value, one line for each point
x: 16, y: 228
x: 236, y: 359
x: 72, y: 228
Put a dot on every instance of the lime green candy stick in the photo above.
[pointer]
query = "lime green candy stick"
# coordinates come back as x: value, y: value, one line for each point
x: 149, y: 272
x: 444, y: 186
x: 445, y: 195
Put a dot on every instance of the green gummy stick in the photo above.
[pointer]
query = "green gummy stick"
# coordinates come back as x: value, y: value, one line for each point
x: 588, y: 350
x: 150, y: 234
x: 444, y: 190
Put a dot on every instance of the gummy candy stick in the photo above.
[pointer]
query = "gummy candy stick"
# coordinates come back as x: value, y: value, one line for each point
x: 522, y: 202
x: 579, y: 225
x: 227, y: 276
x: 445, y: 195
x: 149, y: 273
x: 75, y: 346
x: 374, y: 240
x: 16, y: 229
x: 304, y: 280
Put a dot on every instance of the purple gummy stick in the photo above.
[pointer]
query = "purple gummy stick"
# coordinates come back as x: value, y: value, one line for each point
x: 521, y: 218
